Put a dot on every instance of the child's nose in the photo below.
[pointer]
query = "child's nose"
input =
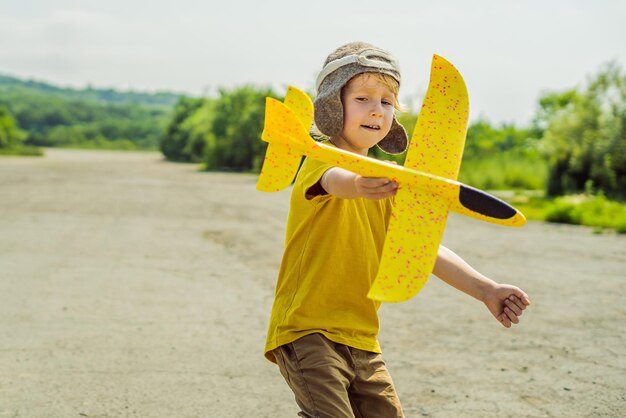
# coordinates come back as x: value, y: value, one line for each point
x: 377, y: 109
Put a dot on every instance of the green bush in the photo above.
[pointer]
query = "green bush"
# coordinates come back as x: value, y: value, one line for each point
x: 10, y: 134
x: 620, y: 224
x: 563, y: 212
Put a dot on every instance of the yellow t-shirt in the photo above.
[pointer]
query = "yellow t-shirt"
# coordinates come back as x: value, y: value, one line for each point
x: 332, y: 252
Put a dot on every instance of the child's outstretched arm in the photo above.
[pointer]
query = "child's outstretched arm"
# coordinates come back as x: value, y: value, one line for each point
x: 505, y: 302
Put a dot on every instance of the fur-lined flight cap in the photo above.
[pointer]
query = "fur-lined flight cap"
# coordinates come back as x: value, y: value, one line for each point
x: 342, y: 65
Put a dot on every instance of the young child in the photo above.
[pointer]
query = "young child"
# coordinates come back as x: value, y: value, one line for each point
x: 323, y: 329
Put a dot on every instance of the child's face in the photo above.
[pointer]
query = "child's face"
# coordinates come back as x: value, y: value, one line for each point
x: 367, y: 112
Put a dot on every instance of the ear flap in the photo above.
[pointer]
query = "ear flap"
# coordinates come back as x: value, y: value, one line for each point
x: 396, y: 141
x: 328, y: 112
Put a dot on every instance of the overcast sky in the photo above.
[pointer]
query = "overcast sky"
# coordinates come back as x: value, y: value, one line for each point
x: 509, y: 52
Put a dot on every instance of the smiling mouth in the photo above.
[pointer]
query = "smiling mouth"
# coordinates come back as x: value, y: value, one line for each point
x: 372, y: 127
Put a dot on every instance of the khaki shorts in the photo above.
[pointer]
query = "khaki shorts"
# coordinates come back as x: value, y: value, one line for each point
x: 334, y: 380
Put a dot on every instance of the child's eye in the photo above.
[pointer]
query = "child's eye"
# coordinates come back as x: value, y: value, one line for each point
x: 361, y: 99
x: 387, y: 103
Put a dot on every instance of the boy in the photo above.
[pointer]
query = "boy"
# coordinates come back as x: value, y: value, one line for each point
x: 323, y: 328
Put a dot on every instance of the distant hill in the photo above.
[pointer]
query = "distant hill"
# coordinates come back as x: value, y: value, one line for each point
x: 57, y: 116
x: 168, y: 99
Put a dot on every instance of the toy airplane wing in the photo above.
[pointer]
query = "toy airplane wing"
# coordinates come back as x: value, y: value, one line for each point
x: 411, y: 245
x: 419, y: 218
x: 281, y: 161
x: 438, y: 139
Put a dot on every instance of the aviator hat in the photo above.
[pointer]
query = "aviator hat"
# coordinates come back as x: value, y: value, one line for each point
x: 341, y: 65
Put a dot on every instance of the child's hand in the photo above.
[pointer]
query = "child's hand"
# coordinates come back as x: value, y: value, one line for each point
x: 506, y: 303
x: 375, y: 187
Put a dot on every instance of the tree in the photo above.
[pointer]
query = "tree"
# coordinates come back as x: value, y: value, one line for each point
x: 236, y: 129
x: 45, y: 113
x: 585, y: 136
x: 175, y: 139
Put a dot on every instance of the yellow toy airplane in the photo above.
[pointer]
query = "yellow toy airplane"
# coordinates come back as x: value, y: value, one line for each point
x: 427, y: 186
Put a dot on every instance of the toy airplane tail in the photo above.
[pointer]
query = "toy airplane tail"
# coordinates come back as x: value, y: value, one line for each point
x: 286, y: 131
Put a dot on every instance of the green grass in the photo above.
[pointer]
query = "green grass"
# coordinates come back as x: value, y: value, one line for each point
x: 24, y: 150
x: 101, y: 144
